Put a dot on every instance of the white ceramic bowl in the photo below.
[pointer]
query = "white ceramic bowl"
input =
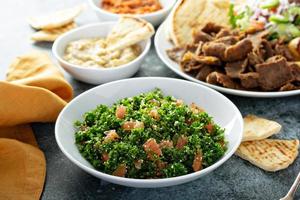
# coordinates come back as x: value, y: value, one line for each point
x: 223, y: 111
x: 95, y: 75
x: 155, y: 18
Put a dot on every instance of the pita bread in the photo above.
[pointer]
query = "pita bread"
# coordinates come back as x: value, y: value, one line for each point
x: 256, y: 128
x: 57, y: 19
x: 168, y: 22
x: 51, y: 34
x: 270, y: 155
x: 128, y: 31
x: 194, y: 14
x: 190, y: 15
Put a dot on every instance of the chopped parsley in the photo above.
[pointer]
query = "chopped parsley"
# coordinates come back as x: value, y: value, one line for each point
x: 149, y: 136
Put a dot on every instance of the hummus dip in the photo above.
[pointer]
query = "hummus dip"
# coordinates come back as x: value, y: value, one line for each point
x: 91, y: 52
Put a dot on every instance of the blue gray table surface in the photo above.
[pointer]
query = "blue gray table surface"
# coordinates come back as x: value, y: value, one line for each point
x: 236, y: 179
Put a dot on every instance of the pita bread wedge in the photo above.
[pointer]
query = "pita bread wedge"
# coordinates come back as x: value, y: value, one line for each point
x: 57, y: 19
x: 168, y: 22
x: 128, y: 31
x: 190, y: 15
x: 270, y: 155
x: 51, y: 34
x: 256, y: 128
x: 194, y: 14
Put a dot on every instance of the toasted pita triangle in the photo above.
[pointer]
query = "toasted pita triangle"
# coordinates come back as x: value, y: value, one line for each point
x: 270, y: 155
x: 256, y: 128
x: 57, y: 19
x: 51, y: 34
x: 128, y: 31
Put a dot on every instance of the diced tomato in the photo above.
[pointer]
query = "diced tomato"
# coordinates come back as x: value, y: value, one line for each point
x: 258, y: 25
x: 154, y: 114
x: 138, y: 163
x: 105, y: 157
x: 127, y: 126
x: 166, y: 144
x: 111, y: 136
x: 151, y: 147
x: 120, y: 112
x: 120, y: 171
x: 209, y: 127
x: 197, y: 163
x: 181, y: 142
x: 274, y: 9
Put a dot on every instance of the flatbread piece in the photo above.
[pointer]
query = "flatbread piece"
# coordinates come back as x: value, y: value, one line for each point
x: 190, y: 15
x: 51, y: 34
x: 195, y: 14
x: 57, y: 19
x: 256, y: 128
x: 129, y: 31
x: 269, y: 154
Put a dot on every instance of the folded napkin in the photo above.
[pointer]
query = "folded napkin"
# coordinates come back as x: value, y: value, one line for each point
x: 34, y: 91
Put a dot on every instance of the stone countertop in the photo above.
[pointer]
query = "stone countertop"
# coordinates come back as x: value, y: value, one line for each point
x: 236, y: 179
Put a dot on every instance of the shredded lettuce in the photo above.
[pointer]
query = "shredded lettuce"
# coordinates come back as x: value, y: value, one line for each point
x: 232, y: 17
x: 270, y: 4
x: 242, y: 19
x: 279, y: 19
x: 285, y: 32
x: 283, y: 21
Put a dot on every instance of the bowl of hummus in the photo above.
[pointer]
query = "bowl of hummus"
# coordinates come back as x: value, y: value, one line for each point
x: 89, y: 55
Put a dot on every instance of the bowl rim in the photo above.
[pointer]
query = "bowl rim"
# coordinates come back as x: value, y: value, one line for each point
x: 152, y: 14
x: 86, y: 27
x: 115, y: 179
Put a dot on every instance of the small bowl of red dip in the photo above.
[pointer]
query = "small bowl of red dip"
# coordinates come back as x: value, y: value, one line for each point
x: 153, y: 11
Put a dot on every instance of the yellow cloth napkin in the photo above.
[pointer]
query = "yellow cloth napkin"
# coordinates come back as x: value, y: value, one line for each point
x: 35, y: 91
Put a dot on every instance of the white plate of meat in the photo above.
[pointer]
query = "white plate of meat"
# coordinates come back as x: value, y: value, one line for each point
x: 242, y: 74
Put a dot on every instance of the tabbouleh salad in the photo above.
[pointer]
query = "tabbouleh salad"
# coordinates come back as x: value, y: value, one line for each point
x: 149, y: 136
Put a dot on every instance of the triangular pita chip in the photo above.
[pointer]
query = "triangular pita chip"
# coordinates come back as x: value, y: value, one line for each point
x: 57, y: 19
x: 269, y: 154
x: 51, y: 34
x: 128, y: 31
x: 256, y: 128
